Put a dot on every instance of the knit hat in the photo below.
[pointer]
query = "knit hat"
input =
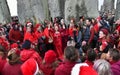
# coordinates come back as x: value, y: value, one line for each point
x: 83, y: 69
x: 105, y: 31
x: 26, y: 44
x: 14, y: 45
x: 50, y: 57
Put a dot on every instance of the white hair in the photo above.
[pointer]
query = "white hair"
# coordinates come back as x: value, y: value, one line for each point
x: 102, y: 67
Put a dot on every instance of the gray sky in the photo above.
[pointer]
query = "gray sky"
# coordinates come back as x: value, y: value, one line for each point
x: 13, y: 6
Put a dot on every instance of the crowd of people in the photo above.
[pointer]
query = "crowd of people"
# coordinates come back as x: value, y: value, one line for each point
x: 88, y: 47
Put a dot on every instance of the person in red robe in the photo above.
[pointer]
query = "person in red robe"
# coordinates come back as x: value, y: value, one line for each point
x: 3, y: 40
x: 64, y: 33
x: 48, y: 32
x: 27, y: 53
x: 71, y: 57
x: 30, y: 35
x: 2, y: 58
x: 103, y: 42
x: 41, y: 46
x: 15, y: 35
x: 50, y: 63
x: 39, y: 31
x: 57, y: 41
x: 13, y: 66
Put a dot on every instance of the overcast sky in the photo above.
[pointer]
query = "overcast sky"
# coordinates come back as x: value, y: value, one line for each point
x: 13, y: 6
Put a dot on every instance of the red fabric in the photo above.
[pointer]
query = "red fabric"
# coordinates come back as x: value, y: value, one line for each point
x: 27, y: 54
x: 89, y: 63
x: 48, y: 33
x: 4, y: 43
x: 104, y: 44
x: 92, y: 33
x: 105, y: 31
x: 15, y: 35
x: 98, y: 18
x: 70, y: 31
x: 31, y: 37
x: 65, y: 68
x: 64, y: 34
x: 47, y: 69
x: 58, y: 44
x: 85, y: 70
x: 39, y: 34
x: 96, y: 28
x: 29, y: 67
x: 37, y: 25
x: 50, y: 57
x: 2, y: 63
x: 118, y: 29
x: 12, y: 69
x: 14, y: 45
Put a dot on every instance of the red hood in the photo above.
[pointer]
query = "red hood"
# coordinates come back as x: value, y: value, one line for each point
x: 26, y: 54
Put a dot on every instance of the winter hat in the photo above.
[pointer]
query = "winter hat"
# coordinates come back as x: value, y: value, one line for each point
x: 26, y: 44
x: 83, y: 69
x: 28, y: 24
x: 29, y: 67
x: 50, y: 57
x: 105, y: 31
x: 14, y: 45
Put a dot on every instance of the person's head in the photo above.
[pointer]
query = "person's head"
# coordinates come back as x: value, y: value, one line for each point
x: 91, y: 55
x: 29, y: 29
x: 62, y: 21
x: 113, y: 55
x: 88, y: 21
x: 81, y: 18
x: 39, y: 27
x: 2, y: 33
x: 102, y: 67
x: 13, y: 56
x: 94, y: 21
x: 70, y: 42
x: 50, y: 57
x: 71, y: 54
x: 15, y: 26
x: 26, y: 44
x: 56, y: 27
x: 103, y: 33
x: 29, y: 24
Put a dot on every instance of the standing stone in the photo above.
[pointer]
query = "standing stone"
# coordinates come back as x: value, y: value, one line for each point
x: 117, y: 12
x: 56, y: 8
x: 36, y: 10
x: 76, y: 8
x: 92, y: 8
x: 4, y: 12
x: 108, y: 5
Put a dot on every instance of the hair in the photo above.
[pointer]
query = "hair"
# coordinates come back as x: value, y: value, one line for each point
x: 114, y: 53
x: 26, y: 44
x: 2, y: 49
x: 91, y: 55
x: 89, y: 19
x: 102, y: 67
x: 71, y: 53
x: 13, y: 57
